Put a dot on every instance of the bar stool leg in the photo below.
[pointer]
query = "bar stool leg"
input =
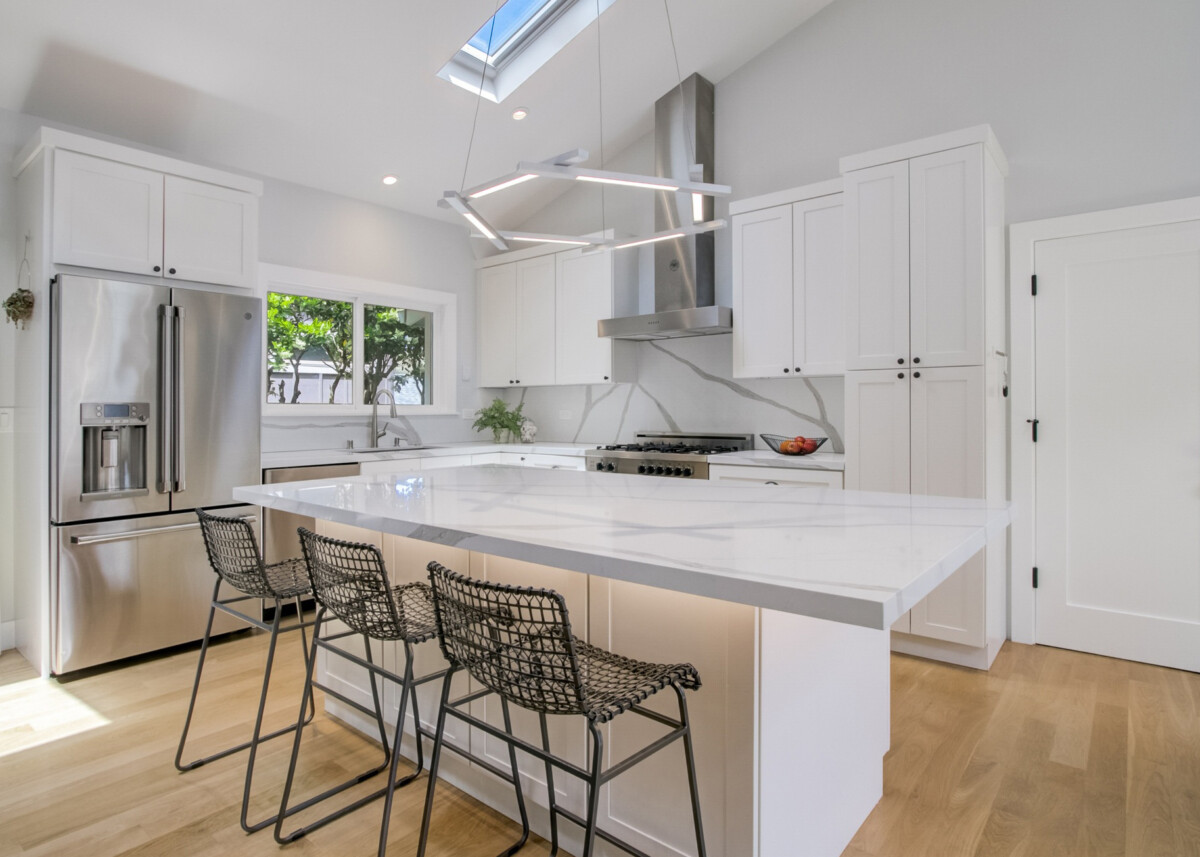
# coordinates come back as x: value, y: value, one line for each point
x: 689, y: 755
x: 187, y: 723
x: 434, y: 759
x: 310, y: 663
x: 312, y: 702
x: 258, y: 719
x: 550, y: 786
x: 398, y: 735
x: 512, y: 758
x: 593, y: 794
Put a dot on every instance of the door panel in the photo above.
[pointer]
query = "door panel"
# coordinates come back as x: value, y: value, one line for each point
x: 1117, y: 363
x: 583, y: 296
x: 762, y: 330
x: 210, y: 232
x: 946, y: 304
x: 220, y: 366
x: 535, y: 321
x: 820, y: 260
x: 876, y: 207
x: 107, y: 215
x: 877, y: 431
x: 122, y: 588
x: 105, y: 349
x: 497, y: 309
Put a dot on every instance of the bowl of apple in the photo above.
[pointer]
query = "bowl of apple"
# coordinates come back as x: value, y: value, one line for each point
x: 798, y: 445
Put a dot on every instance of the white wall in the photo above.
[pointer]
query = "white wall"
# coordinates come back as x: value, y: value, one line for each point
x: 1095, y: 102
x: 306, y: 228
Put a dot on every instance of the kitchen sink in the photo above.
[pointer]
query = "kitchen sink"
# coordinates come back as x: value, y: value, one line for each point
x: 359, y: 450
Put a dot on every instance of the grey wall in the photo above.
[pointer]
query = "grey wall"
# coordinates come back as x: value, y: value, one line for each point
x: 306, y: 228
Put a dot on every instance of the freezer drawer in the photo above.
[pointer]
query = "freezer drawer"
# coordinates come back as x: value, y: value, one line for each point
x: 123, y: 588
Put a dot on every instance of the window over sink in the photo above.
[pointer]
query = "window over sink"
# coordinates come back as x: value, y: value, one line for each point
x: 334, y: 344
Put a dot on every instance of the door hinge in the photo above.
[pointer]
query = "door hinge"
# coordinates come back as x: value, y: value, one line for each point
x: 1033, y: 285
x: 1035, y: 577
x: 1034, y: 424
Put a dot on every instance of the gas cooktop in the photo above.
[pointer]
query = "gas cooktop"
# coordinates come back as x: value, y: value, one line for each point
x: 666, y: 453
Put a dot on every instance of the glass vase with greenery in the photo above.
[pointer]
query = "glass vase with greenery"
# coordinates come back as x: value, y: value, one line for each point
x: 500, y: 419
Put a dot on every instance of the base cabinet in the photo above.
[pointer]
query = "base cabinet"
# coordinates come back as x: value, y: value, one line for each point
x: 791, y: 476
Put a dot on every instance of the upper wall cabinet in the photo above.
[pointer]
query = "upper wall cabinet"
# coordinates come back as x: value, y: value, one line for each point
x: 788, y: 284
x: 537, y: 319
x: 123, y: 217
x: 915, y: 259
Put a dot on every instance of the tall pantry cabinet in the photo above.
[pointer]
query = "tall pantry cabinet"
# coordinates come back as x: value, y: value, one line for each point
x: 925, y: 358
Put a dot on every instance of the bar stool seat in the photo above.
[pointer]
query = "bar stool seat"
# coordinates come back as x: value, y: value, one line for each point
x: 233, y: 555
x: 517, y: 643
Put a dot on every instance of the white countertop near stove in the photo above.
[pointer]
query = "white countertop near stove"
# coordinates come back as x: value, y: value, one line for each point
x: 849, y: 556
x: 313, y: 457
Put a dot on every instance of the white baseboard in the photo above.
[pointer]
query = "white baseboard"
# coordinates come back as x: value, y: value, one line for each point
x: 8, y: 636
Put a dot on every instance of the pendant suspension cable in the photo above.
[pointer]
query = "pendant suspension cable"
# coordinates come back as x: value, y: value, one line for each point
x: 687, y: 132
x: 479, y: 95
x: 600, y: 105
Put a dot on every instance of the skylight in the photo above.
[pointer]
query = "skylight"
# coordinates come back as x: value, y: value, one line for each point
x: 515, y: 42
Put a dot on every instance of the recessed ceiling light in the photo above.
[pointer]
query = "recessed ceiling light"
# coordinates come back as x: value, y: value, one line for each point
x: 390, y: 180
x: 520, y: 113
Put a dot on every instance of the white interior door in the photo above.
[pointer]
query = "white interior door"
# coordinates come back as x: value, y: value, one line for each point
x: 1117, y: 524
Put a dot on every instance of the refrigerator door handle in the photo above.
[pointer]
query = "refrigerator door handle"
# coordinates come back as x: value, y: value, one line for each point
x: 152, y: 531
x: 180, y: 468
x: 164, y: 479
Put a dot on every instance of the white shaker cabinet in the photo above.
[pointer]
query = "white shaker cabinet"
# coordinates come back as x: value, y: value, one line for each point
x: 877, y: 431
x: 583, y: 296
x: 915, y: 248
x: 788, y: 284
x: 516, y: 324
x: 496, y: 309
x: 123, y: 217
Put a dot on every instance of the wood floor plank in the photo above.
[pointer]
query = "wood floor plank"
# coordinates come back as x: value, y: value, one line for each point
x: 1049, y: 753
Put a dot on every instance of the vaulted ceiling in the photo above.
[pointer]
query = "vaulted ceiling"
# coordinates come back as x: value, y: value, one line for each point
x: 337, y: 95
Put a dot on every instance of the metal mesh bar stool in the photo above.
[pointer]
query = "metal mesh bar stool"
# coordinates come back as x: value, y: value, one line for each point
x: 234, y: 557
x: 517, y: 642
x: 350, y: 583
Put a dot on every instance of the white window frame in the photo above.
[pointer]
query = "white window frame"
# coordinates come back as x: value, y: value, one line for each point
x: 441, y: 306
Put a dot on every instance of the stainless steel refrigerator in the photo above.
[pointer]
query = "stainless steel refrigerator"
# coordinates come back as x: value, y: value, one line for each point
x: 154, y: 412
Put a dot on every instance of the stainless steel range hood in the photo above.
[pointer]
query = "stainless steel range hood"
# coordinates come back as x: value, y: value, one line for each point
x: 683, y: 267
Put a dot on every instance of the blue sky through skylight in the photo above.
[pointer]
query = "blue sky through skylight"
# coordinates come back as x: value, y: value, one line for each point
x: 509, y: 19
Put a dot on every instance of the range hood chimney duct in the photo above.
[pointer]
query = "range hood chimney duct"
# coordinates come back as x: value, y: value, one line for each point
x: 683, y: 267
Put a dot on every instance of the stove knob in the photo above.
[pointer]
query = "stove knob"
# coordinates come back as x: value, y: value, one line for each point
x: 641, y: 468
x: 678, y: 471
x: 599, y: 465
x: 687, y: 471
x: 658, y: 470
x: 610, y: 467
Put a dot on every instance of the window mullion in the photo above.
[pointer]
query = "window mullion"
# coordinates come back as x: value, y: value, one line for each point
x: 360, y: 381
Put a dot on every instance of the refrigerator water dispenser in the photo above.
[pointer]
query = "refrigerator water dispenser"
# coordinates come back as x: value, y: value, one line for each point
x: 114, y: 449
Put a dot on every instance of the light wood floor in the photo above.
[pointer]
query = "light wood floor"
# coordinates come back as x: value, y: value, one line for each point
x: 1051, y: 753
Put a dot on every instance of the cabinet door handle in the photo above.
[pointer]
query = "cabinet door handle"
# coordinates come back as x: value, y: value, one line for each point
x: 786, y: 370
x: 605, y: 377
x: 157, y: 268
x: 916, y: 374
x: 797, y: 370
x: 170, y: 270
x: 900, y: 361
x: 899, y: 374
x: 916, y: 360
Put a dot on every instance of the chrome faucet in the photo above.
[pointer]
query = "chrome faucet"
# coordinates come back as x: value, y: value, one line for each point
x: 374, y: 433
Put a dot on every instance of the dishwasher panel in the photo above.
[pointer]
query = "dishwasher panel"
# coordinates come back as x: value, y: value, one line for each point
x: 279, y: 537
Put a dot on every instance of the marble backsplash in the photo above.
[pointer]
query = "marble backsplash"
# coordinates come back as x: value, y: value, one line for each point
x: 682, y: 385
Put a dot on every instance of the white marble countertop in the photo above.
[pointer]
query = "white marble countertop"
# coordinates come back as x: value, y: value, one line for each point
x: 849, y: 556
x: 312, y: 457
x: 767, y: 458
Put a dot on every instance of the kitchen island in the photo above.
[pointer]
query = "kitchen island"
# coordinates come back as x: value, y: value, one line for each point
x: 782, y: 597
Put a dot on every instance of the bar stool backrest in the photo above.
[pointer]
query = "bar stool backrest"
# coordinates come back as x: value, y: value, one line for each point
x: 514, y: 640
x: 233, y: 553
x: 350, y: 580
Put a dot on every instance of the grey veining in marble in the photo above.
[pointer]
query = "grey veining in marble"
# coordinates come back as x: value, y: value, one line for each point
x: 686, y: 385
x: 848, y: 556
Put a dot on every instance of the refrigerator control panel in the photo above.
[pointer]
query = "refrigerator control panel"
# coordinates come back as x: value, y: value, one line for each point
x: 113, y: 413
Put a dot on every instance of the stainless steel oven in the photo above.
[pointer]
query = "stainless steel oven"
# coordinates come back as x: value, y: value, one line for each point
x: 677, y: 455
